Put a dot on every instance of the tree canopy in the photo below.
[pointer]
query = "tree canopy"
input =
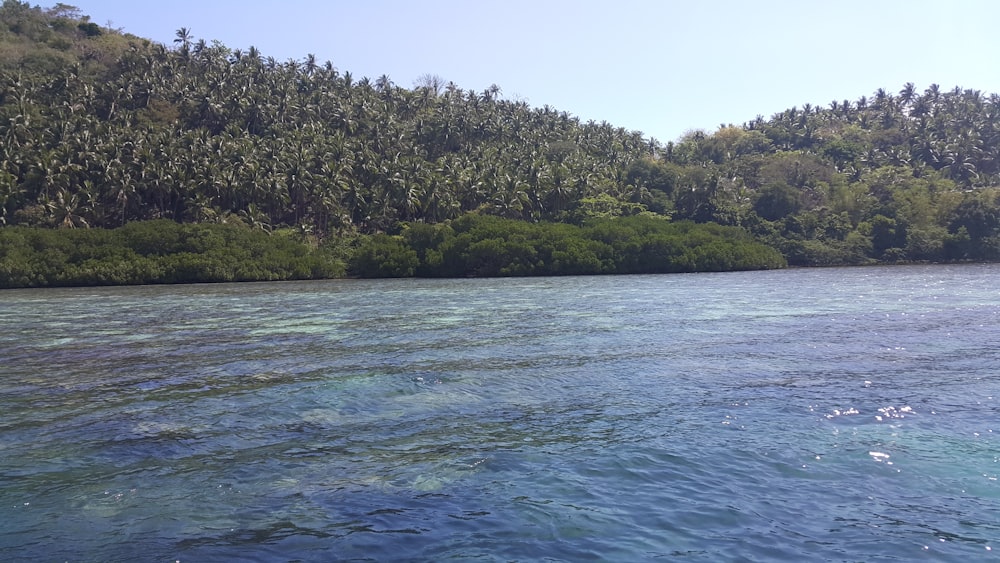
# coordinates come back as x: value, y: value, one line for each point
x: 101, y: 129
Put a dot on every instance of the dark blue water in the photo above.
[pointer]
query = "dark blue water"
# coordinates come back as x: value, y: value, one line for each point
x: 837, y: 414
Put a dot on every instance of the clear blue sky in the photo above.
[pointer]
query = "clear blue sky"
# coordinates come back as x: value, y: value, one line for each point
x: 661, y: 67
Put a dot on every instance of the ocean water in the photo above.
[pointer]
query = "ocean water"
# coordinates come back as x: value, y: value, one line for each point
x: 846, y: 414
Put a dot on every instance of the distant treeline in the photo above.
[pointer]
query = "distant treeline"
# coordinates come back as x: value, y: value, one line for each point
x: 483, y: 245
x: 162, y: 251
x: 150, y: 252
x: 100, y: 129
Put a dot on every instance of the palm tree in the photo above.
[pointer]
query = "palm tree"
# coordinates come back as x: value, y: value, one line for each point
x: 383, y: 84
x: 183, y: 37
x: 66, y: 211
x: 907, y: 94
x: 933, y: 92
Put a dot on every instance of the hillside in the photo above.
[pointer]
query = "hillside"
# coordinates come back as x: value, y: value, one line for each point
x: 101, y: 129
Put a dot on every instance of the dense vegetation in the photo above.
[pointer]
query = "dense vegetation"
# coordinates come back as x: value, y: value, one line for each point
x: 155, y: 252
x: 481, y: 245
x: 101, y: 129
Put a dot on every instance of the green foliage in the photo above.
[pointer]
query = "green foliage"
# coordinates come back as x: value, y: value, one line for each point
x: 90, y: 29
x: 482, y: 245
x: 653, y: 174
x: 886, y: 235
x: 36, y: 41
x: 102, y: 129
x: 384, y: 256
x: 199, y: 132
x: 155, y: 252
x: 777, y: 201
x: 979, y: 218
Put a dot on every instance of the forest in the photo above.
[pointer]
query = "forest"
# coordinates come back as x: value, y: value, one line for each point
x: 114, y: 135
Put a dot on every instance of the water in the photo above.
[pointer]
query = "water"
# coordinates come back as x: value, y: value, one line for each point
x: 835, y: 414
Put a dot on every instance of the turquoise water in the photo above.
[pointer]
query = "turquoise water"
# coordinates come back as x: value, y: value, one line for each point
x: 833, y: 414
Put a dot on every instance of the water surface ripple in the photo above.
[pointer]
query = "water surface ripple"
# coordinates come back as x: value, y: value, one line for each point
x: 835, y: 414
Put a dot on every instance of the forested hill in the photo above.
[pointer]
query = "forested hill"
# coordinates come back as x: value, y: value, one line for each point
x: 100, y: 128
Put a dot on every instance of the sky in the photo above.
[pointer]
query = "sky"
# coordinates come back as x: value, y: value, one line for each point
x: 663, y: 67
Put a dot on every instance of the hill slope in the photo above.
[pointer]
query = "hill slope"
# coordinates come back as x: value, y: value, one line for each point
x: 101, y: 129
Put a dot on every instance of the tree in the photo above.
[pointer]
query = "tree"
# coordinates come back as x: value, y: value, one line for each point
x: 383, y: 256
x: 777, y: 201
x: 183, y: 37
x: 979, y: 218
x: 886, y: 234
